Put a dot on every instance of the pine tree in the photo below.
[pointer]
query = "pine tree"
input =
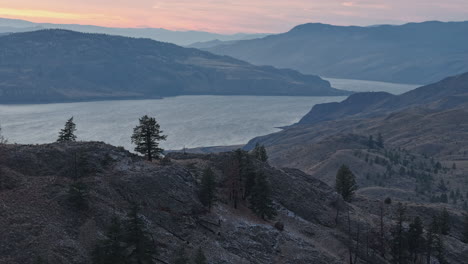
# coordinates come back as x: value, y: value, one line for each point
x: 465, y: 230
x: 200, y: 257
x: 68, y: 132
x: 444, y: 222
x: 431, y: 237
x: 138, y: 239
x: 2, y: 138
x: 399, y: 242
x: 207, y: 189
x: 260, y: 201
x: 370, y: 143
x: 111, y: 250
x: 146, y: 137
x: 260, y: 153
x: 380, y: 141
x: 416, y: 240
x: 345, y: 183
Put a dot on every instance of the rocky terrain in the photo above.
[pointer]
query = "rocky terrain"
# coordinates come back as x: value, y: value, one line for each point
x: 424, y: 134
x: 59, y: 65
x: 418, y: 53
x: 37, y: 218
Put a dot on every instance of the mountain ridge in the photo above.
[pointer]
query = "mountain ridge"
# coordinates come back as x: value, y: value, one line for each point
x: 380, y: 53
x: 62, y: 65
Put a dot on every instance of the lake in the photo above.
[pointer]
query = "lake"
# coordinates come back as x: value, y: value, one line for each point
x: 189, y: 121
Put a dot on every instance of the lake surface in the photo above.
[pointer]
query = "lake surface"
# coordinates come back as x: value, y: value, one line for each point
x: 189, y: 121
x: 371, y: 86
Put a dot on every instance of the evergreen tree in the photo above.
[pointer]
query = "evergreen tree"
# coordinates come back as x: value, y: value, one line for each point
x: 260, y: 153
x: 416, y: 240
x: 465, y: 230
x: 370, y: 143
x: 146, y: 137
x: 434, y: 242
x: 200, y: 257
x: 444, y: 222
x: 430, y: 239
x: 380, y: 141
x: 345, y: 183
x: 260, y: 201
x: 111, y: 250
x: 208, y: 188
x: 138, y: 239
x: 2, y: 138
x: 78, y: 195
x: 68, y: 132
x: 399, y: 242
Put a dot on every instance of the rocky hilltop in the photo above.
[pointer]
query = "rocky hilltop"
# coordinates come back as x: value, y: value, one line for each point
x: 60, y: 65
x: 38, y: 220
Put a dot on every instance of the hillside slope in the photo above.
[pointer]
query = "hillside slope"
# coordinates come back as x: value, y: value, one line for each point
x: 59, y: 65
x: 418, y: 53
x: 39, y: 219
x: 449, y: 93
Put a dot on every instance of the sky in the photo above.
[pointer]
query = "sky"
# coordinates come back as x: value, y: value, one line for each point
x: 232, y: 16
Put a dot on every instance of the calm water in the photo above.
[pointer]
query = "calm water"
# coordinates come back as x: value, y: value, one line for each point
x: 190, y: 121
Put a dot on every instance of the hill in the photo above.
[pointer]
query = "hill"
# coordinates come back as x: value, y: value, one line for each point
x: 182, y: 38
x: 424, y: 132
x: 59, y: 65
x: 40, y: 219
x: 449, y: 93
x: 418, y: 53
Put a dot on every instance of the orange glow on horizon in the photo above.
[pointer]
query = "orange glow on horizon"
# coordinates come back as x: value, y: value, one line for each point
x: 227, y: 16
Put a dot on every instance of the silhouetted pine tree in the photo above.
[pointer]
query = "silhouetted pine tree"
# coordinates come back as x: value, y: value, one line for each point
x: 260, y: 153
x: 399, y: 242
x: 465, y: 230
x: 68, y: 132
x: 146, y: 137
x: 416, y: 240
x: 370, y: 142
x: 260, y: 200
x: 444, y: 222
x: 345, y: 183
x: 138, y: 239
x: 380, y: 141
x: 208, y: 188
x: 111, y: 250
x: 200, y: 257
x: 2, y: 138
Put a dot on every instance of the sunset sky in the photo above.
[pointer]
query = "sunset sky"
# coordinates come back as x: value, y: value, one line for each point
x: 230, y: 16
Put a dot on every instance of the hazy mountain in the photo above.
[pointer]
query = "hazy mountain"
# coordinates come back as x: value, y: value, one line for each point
x: 417, y: 53
x: 448, y: 93
x: 182, y: 38
x: 59, y: 65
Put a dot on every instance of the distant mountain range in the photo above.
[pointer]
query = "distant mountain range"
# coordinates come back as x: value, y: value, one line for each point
x: 449, y: 93
x: 416, y: 53
x: 61, y: 65
x: 182, y: 38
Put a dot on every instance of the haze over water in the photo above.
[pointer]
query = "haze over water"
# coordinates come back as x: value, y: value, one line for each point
x: 190, y: 121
